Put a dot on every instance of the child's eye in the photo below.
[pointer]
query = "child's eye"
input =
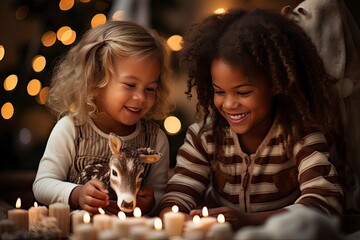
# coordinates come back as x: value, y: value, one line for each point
x: 151, y: 89
x: 244, y: 93
x: 130, y: 85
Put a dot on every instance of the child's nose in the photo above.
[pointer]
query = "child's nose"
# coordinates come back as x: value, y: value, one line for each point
x: 230, y: 102
x: 140, y: 96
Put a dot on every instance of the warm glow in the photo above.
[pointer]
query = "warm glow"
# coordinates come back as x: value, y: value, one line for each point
x: 21, y: 12
x: 36, y: 204
x: 121, y: 215
x: 34, y: 87
x: 172, y: 125
x: 2, y: 52
x: 48, y: 38
x: 86, y: 217
x: 7, y: 110
x: 61, y: 31
x: 137, y: 212
x: 157, y: 224
x: 101, y: 210
x: 175, y: 209
x: 118, y: 15
x: 18, y: 203
x: 221, y: 218
x: 98, y: 19
x: 43, y: 95
x: 220, y: 11
x: 205, y: 212
x: 196, y: 219
x: 174, y: 42
x: 69, y: 37
x: 65, y: 5
x: 10, y: 82
x: 38, y: 63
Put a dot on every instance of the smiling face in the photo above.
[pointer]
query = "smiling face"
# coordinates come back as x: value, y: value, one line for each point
x: 129, y: 94
x: 243, y: 97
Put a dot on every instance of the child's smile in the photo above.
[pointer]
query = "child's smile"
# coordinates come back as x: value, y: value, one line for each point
x: 242, y: 95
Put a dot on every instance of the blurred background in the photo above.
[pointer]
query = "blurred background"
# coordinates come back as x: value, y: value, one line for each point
x: 34, y: 33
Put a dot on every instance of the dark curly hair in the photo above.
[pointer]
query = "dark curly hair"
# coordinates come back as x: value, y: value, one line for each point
x: 305, y: 96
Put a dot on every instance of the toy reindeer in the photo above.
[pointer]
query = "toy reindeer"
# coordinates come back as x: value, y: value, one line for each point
x: 123, y: 173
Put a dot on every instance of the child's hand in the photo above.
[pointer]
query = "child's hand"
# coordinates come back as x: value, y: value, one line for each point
x: 93, y: 195
x: 145, y: 199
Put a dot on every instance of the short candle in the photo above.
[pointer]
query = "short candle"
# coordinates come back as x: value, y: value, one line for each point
x: 19, y: 216
x: 174, y: 221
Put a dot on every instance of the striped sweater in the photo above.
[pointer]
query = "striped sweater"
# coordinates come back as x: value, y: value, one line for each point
x: 263, y: 181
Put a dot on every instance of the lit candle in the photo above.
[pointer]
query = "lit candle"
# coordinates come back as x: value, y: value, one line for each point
x: 61, y: 211
x: 77, y: 217
x: 102, y: 221
x: 120, y: 226
x: 36, y: 213
x: 220, y: 230
x: 174, y: 221
x: 137, y: 219
x: 158, y: 233
x: 193, y: 229
x: 19, y: 216
x: 206, y: 221
x: 85, y: 230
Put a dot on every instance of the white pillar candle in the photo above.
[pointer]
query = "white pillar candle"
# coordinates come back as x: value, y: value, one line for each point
x: 19, y: 216
x: 174, y: 221
x: 77, y: 217
x: 102, y: 221
x: 137, y: 219
x: 36, y: 213
x: 121, y: 226
x: 158, y: 233
x: 206, y: 221
x: 61, y: 211
x: 85, y: 231
x: 220, y: 230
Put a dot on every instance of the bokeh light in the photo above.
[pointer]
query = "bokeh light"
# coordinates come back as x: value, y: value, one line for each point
x: 11, y: 82
x: 172, y: 125
x: 7, y: 110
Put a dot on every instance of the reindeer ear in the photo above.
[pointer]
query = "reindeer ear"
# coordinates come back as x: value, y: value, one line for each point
x: 114, y: 143
x: 150, y: 158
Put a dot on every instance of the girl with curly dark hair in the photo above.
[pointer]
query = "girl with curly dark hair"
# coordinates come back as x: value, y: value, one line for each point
x: 268, y: 113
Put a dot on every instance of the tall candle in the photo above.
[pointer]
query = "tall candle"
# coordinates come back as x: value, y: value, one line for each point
x: 61, y: 212
x: 36, y: 213
x: 102, y: 221
x: 19, y: 216
x: 174, y: 221
x: 220, y: 230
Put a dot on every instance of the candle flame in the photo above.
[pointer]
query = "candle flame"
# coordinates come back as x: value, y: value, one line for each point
x: 196, y: 219
x: 157, y: 224
x: 175, y: 209
x: 101, y: 210
x: 18, y: 203
x: 137, y: 212
x: 36, y: 204
x: 205, y: 212
x: 86, y: 217
x: 221, y: 218
x: 121, y: 215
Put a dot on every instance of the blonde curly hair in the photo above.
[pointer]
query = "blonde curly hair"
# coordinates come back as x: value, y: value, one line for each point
x: 88, y: 65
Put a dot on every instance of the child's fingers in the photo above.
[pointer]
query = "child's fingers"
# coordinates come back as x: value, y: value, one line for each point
x: 99, y: 185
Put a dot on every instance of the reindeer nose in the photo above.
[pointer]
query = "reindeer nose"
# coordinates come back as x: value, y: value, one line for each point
x: 127, y: 205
